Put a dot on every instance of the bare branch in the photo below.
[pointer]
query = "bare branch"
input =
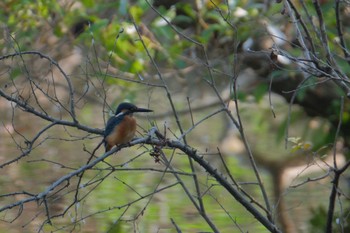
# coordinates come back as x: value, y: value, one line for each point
x: 27, y: 108
x: 41, y: 55
x: 340, y: 32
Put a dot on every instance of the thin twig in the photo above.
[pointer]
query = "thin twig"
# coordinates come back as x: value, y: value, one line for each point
x: 175, y: 114
x: 340, y: 32
x: 26, y: 107
x: 178, y: 230
x: 337, y: 174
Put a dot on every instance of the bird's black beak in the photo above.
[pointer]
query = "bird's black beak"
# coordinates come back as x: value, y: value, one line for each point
x: 142, y: 110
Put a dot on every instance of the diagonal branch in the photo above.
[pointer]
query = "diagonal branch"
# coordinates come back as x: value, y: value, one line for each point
x: 26, y: 107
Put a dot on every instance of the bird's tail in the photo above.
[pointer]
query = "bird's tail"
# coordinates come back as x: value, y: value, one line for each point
x: 107, y: 147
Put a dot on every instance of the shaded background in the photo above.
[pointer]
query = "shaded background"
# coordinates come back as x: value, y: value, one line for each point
x: 97, y: 46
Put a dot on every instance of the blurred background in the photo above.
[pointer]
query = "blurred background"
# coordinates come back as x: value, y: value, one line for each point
x: 206, y: 55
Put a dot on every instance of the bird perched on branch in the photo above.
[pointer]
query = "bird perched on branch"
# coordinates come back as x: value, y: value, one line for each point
x: 121, y: 127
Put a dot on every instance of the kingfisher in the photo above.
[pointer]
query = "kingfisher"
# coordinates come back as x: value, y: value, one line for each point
x: 121, y: 127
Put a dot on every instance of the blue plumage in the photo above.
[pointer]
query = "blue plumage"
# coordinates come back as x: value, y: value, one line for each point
x: 111, y: 124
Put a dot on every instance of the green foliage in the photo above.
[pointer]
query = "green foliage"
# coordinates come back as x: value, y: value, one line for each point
x: 299, y: 145
x: 318, y: 220
x: 25, y: 19
x: 260, y: 91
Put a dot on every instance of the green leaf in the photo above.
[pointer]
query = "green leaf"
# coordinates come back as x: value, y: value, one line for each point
x: 260, y: 91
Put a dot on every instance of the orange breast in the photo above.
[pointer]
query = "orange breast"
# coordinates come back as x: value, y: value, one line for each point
x: 123, y: 132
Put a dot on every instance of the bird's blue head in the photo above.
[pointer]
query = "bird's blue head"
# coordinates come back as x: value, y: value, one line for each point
x: 130, y: 108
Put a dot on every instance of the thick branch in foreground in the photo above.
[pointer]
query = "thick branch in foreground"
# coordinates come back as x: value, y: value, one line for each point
x: 219, y: 177
x: 164, y: 143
